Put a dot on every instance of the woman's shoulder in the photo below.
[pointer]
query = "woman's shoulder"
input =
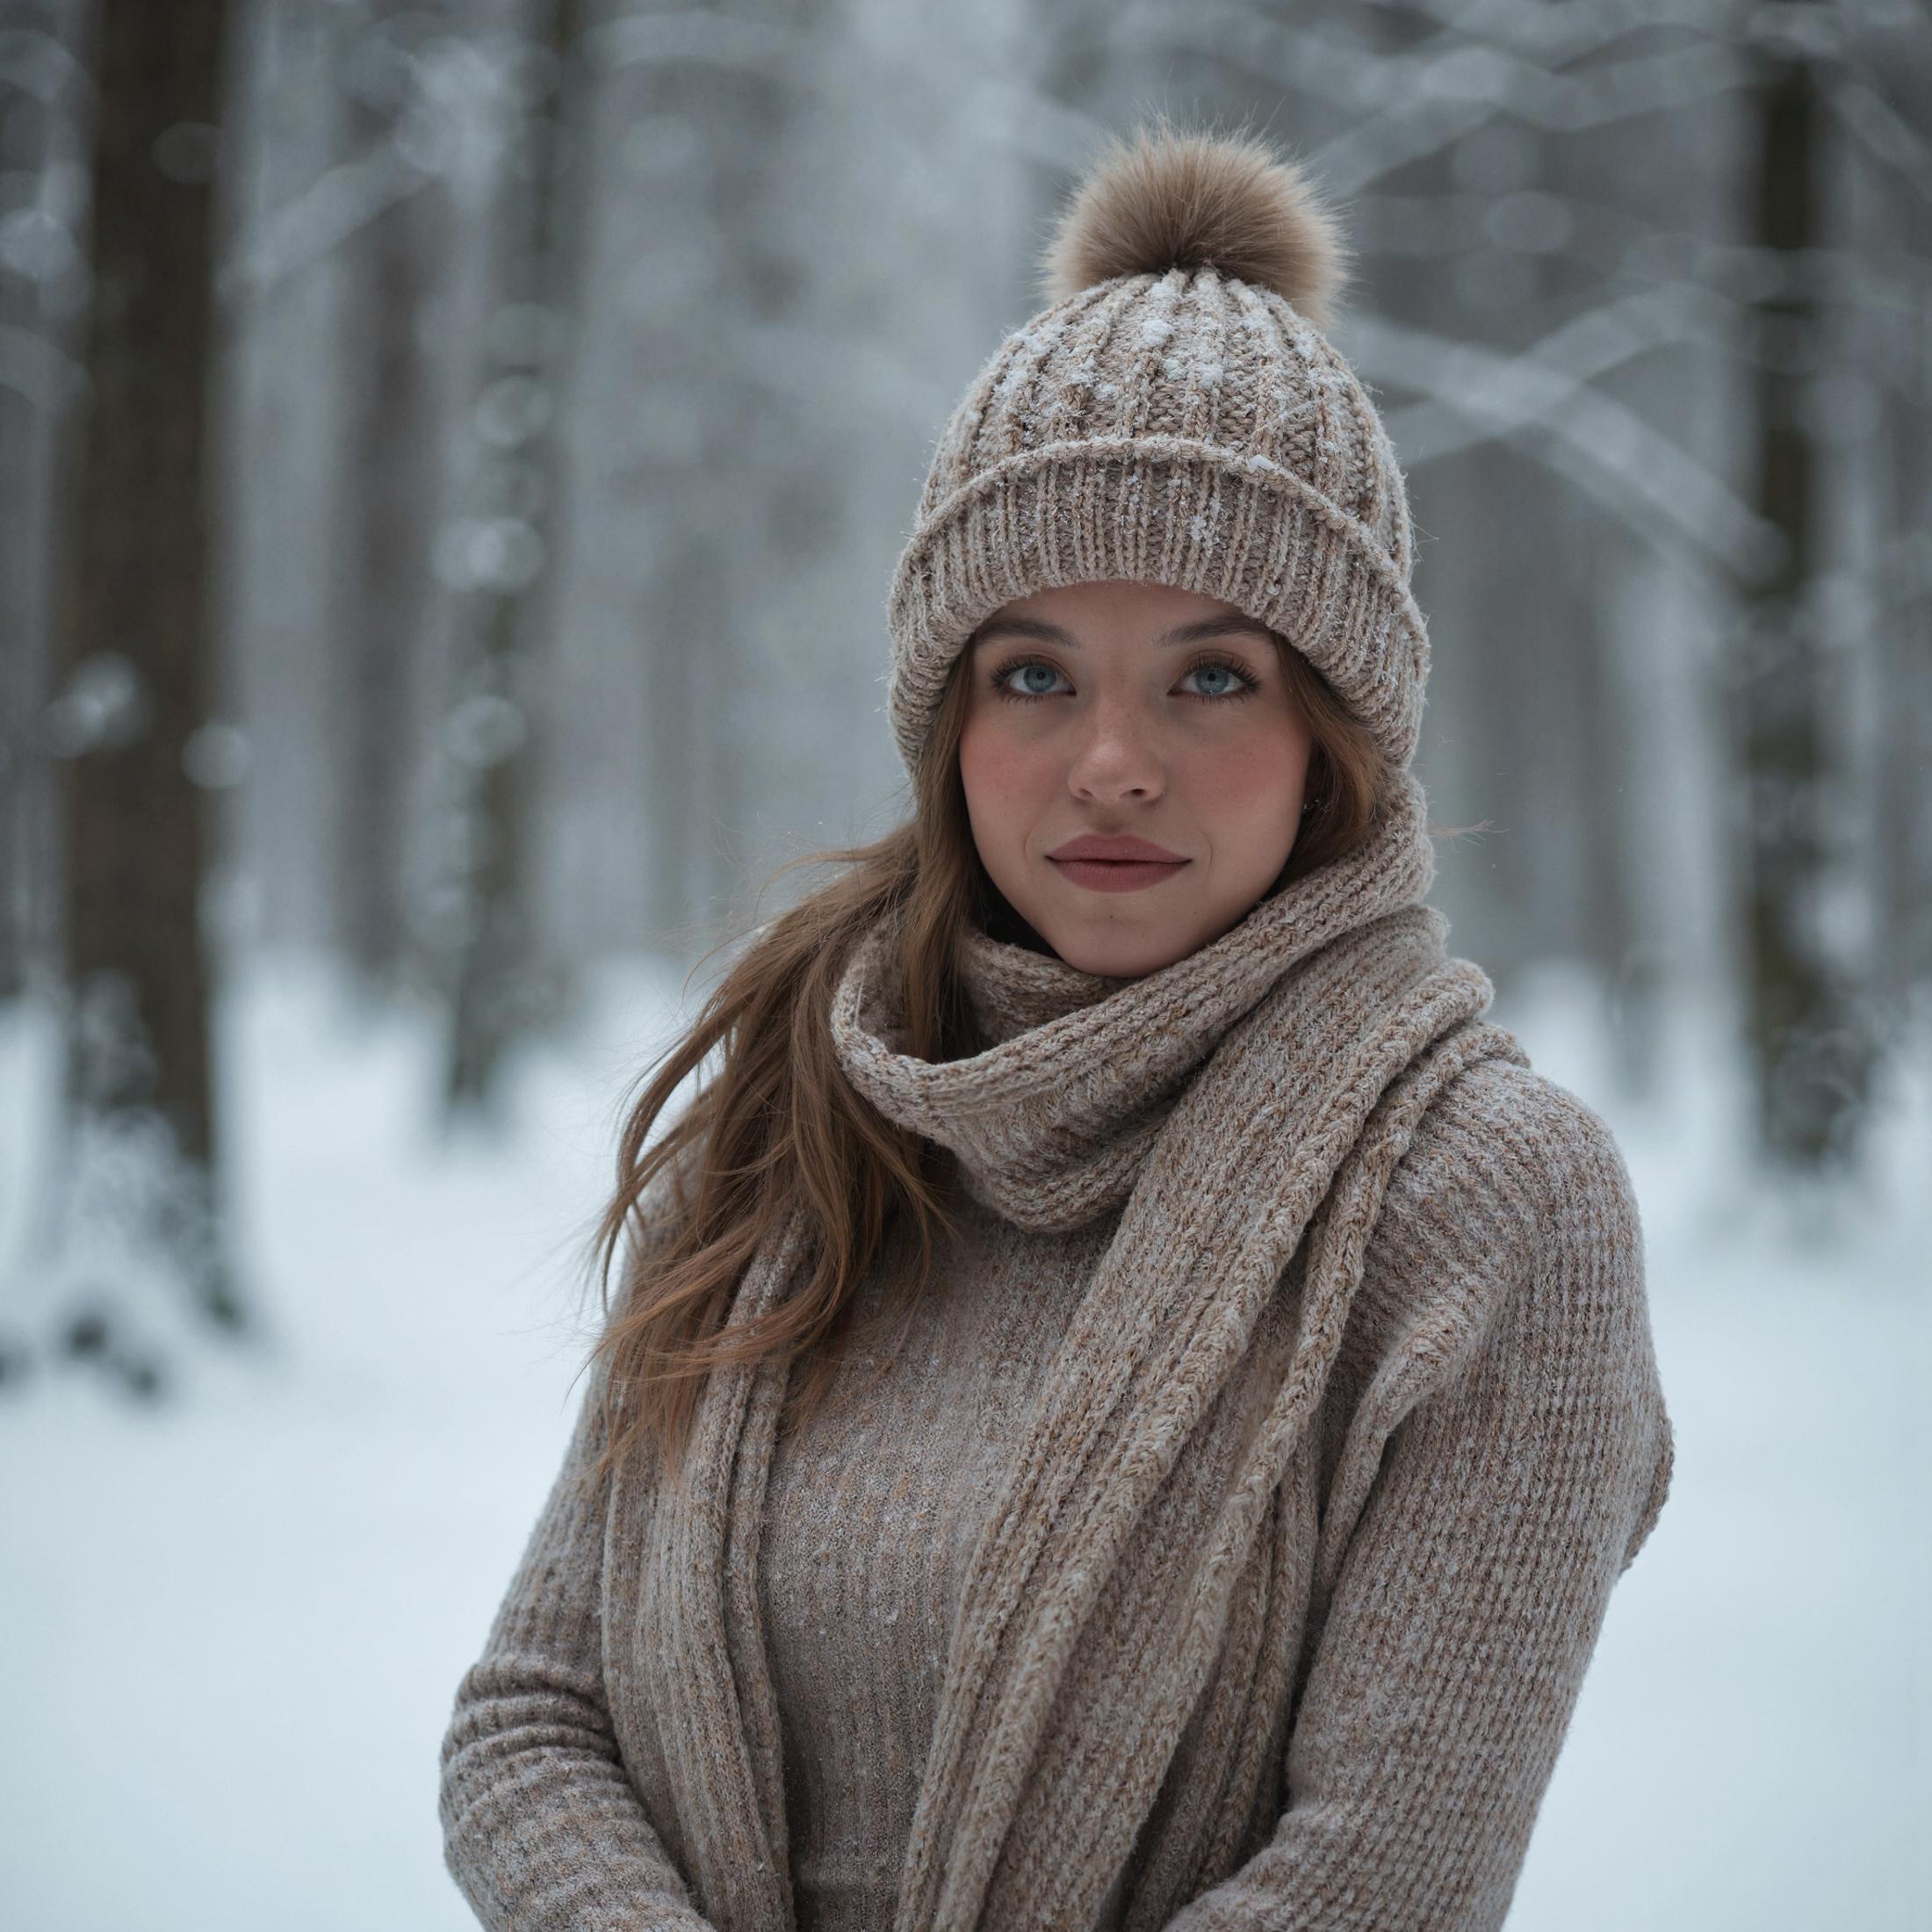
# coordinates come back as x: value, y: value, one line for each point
x: 1511, y: 1186
x: 1507, y: 1148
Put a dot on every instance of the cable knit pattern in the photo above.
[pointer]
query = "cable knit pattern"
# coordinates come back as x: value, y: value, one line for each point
x: 1256, y: 1586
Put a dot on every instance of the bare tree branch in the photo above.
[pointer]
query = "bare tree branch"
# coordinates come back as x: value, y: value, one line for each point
x: 1418, y: 102
x: 1557, y: 35
x: 337, y: 206
x: 453, y: 135
x: 38, y: 65
x: 1878, y: 126
x: 36, y: 369
x: 715, y: 39
x: 1542, y: 400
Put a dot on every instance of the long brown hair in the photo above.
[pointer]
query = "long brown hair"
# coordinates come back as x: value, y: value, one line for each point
x: 777, y: 1124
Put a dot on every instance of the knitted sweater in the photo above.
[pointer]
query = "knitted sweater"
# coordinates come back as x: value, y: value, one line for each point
x: 871, y: 1517
x: 827, y: 1692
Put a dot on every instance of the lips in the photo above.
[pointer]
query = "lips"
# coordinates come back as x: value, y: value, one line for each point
x: 1116, y: 849
x: 1115, y: 864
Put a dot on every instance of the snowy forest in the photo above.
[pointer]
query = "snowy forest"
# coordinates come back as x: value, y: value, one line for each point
x: 453, y: 456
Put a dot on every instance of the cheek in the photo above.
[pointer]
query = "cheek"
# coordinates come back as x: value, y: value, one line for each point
x: 1001, y: 774
x: 1249, y: 791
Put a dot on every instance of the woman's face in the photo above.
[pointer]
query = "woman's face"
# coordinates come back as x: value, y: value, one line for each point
x: 1133, y: 768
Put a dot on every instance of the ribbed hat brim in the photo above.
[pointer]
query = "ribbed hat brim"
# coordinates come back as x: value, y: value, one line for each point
x: 1238, y: 528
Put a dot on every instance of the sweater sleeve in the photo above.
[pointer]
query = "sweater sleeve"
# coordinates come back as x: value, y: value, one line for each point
x: 1477, y: 1578
x: 542, y: 1827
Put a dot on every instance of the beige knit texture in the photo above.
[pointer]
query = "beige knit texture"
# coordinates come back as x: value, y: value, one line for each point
x: 1283, y: 1567
x: 871, y: 1516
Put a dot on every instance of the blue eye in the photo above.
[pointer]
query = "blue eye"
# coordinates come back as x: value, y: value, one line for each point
x: 1025, y: 681
x: 1028, y: 679
x: 1225, y: 680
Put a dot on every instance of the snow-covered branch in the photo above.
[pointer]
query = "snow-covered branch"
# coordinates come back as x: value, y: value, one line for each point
x: 34, y: 369
x: 337, y: 206
x: 1543, y: 400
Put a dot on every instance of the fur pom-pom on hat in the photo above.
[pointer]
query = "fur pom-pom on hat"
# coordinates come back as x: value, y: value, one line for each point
x: 1162, y: 199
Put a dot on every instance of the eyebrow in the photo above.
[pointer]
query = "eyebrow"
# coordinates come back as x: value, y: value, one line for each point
x: 1182, y: 633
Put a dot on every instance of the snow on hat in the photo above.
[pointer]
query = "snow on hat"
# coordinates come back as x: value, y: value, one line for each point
x: 1174, y: 417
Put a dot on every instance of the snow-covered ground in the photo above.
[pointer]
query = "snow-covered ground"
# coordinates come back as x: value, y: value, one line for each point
x: 233, y: 1623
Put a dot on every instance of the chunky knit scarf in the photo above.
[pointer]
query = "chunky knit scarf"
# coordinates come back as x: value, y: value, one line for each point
x: 1119, y: 1680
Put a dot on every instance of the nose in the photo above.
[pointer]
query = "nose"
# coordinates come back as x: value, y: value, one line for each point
x: 1115, y: 756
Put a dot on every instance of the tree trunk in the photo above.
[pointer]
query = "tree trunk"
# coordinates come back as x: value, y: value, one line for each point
x: 498, y: 987
x: 390, y: 510
x: 1810, y: 1049
x: 42, y: 287
x: 133, y: 668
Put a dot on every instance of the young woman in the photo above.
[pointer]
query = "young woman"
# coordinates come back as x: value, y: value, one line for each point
x: 1128, y: 1397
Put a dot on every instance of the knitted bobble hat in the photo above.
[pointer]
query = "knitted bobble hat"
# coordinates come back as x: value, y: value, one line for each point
x: 1175, y: 417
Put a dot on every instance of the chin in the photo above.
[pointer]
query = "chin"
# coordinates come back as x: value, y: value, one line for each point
x: 1120, y: 952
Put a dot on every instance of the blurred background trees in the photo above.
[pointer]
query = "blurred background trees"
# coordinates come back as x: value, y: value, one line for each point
x: 453, y: 456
